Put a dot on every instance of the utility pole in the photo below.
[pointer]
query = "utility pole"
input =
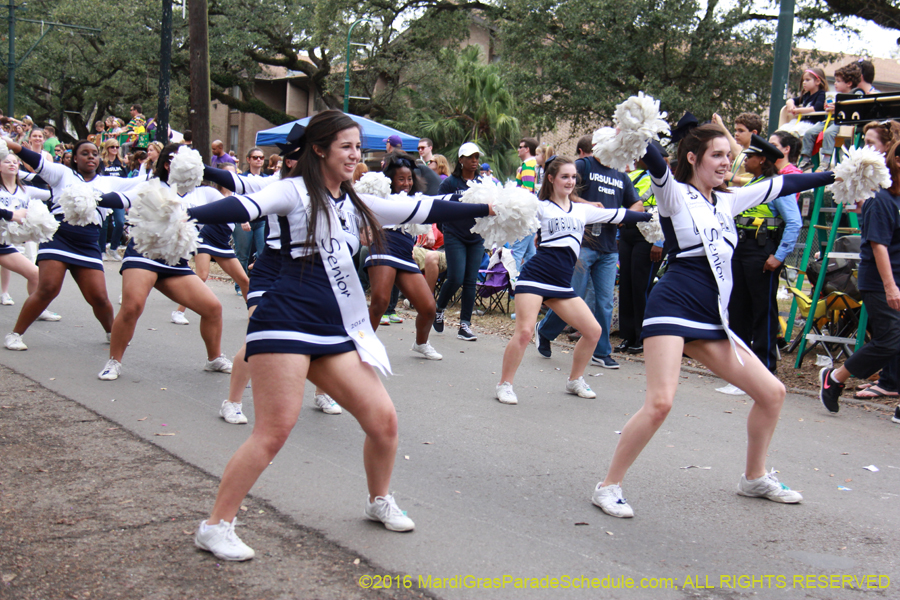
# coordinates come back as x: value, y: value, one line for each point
x: 165, y: 70
x: 199, y: 117
x: 782, y: 62
x: 12, y: 63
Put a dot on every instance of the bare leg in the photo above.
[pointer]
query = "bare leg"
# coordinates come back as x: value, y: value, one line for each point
x: 193, y: 293
x: 277, y: 400
x: 240, y: 372
x: 662, y: 356
x: 201, y: 268
x: 17, y: 263
x: 233, y: 268
x: 5, y: 275
x: 755, y: 379
x: 381, y: 281
x: 527, y: 308
x: 50, y: 280
x: 136, y: 286
x: 415, y: 288
x: 93, y: 287
x: 576, y: 313
x: 432, y: 269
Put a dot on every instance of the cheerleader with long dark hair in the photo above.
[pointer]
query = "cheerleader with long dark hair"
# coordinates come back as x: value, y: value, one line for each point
x: 74, y: 248
x: 314, y: 323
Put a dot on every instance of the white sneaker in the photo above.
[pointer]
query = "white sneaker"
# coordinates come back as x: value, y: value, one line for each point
x: 113, y: 255
x: 219, y: 363
x: 731, y: 390
x: 609, y: 499
x: 768, y: 487
x: 222, y: 541
x: 505, y: 393
x: 6, y: 300
x: 49, y: 316
x: 427, y: 351
x: 385, y: 510
x: 231, y: 412
x: 111, y: 371
x: 327, y: 405
x: 14, y: 342
x: 580, y: 388
x: 179, y: 319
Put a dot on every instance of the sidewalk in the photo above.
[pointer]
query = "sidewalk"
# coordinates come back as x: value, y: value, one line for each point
x: 89, y: 510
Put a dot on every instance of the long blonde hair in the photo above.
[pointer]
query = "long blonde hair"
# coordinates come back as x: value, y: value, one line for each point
x: 443, y: 165
x: 151, y: 164
x: 104, y: 154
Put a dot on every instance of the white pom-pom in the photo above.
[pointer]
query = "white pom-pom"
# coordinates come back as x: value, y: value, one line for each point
x: 480, y: 192
x: 38, y: 226
x: 186, y: 170
x: 639, y: 120
x: 159, y: 228
x: 606, y: 149
x: 651, y: 230
x: 4, y: 150
x: 640, y: 115
x: 375, y: 183
x: 515, y: 216
x: 863, y: 172
x: 79, y: 204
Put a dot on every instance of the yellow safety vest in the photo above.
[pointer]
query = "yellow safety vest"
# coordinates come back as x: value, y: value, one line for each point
x: 758, y: 216
x: 641, y: 180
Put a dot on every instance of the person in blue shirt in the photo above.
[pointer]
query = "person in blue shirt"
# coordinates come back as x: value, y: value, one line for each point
x: 879, y: 272
x: 766, y: 235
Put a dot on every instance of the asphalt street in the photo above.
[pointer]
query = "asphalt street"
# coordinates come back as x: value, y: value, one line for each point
x: 501, y: 494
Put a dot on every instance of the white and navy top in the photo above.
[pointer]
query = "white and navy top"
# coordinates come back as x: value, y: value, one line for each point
x: 549, y: 272
x: 248, y: 184
x: 685, y: 302
x: 59, y: 177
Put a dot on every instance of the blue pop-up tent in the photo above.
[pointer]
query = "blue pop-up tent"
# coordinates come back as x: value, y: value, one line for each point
x: 373, y: 134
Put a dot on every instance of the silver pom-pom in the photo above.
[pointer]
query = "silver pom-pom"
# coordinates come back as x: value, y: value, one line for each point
x: 4, y: 150
x: 652, y: 230
x: 159, y: 228
x: 79, y: 204
x: 638, y: 120
x: 374, y: 183
x: 515, y: 214
x: 38, y: 226
x: 186, y: 170
x: 863, y: 172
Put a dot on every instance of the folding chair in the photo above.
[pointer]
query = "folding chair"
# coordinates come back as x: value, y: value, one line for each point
x: 804, y: 303
x: 493, y: 288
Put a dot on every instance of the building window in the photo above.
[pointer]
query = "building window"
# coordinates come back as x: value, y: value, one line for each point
x: 233, y: 139
x: 236, y: 94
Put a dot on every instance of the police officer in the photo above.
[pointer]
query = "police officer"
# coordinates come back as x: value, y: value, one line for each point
x: 639, y: 261
x: 766, y: 235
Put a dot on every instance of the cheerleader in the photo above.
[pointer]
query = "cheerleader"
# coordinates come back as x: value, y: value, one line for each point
x: 262, y: 276
x: 547, y: 276
x: 215, y: 244
x: 179, y: 283
x: 15, y: 196
x: 313, y: 323
x: 396, y: 265
x: 686, y: 311
x: 73, y: 248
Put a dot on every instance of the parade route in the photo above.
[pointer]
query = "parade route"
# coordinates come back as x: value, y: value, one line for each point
x: 500, y: 494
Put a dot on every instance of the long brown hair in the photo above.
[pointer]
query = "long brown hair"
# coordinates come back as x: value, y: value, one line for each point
x: 552, y: 170
x: 321, y: 132
x: 894, y: 168
x: 697, y: 141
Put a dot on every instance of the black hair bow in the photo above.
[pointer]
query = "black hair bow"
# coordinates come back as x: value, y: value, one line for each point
x: 295, y: 140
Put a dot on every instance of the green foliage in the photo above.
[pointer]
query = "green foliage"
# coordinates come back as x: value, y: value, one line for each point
x: 80, y: 78
x: 574, y: 60
x: 468, y: 102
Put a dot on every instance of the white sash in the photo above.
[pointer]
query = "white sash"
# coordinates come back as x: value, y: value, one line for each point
x: 718, y: 244
x: 348, y: 291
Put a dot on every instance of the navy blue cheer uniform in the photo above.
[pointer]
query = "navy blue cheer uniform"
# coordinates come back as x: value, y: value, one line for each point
x: 549, y: 272
x: 72, y: 244
x: 685, y: 301
x: 300, y: 313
